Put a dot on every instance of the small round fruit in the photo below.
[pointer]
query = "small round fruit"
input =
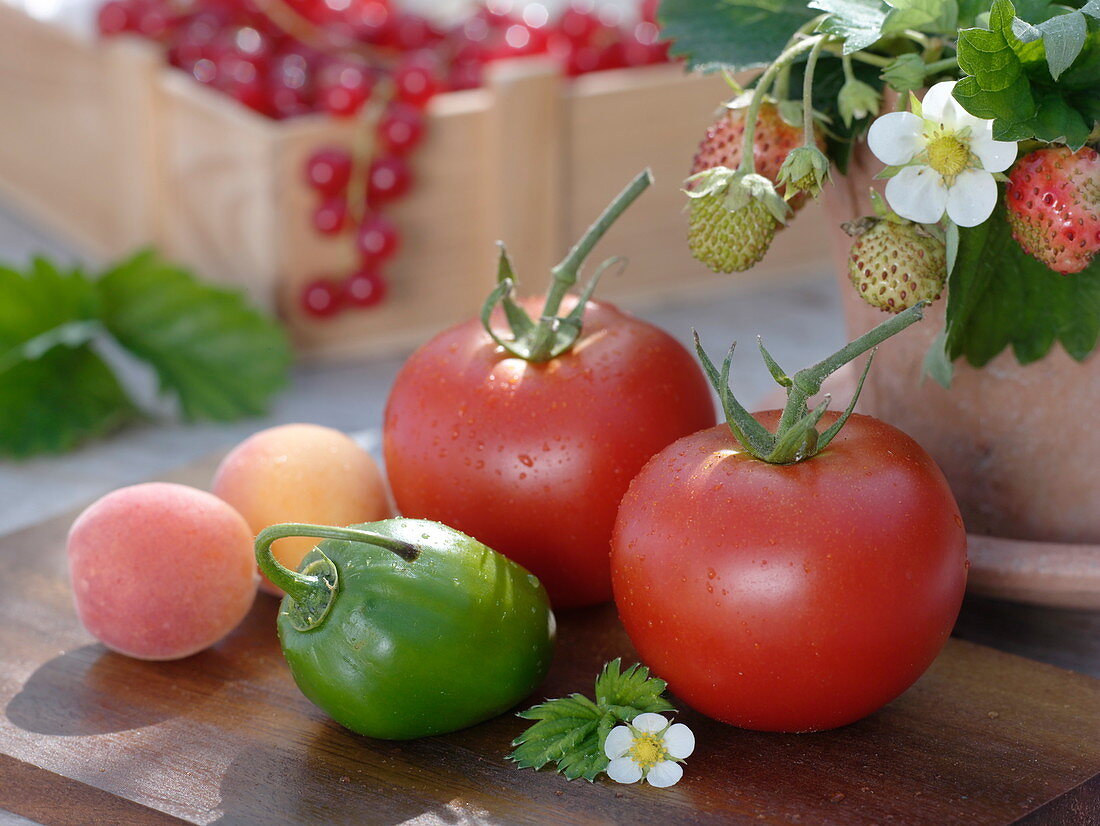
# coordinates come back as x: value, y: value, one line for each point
x: 328, y: 171
x: 388, y: 179
x: 161, y: 571
x: 365, y: 289
x: 377, y: 239
x: 301, y: 473
x: 320, y: 298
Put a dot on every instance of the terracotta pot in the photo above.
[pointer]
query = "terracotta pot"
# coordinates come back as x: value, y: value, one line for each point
x: 1018, y: 444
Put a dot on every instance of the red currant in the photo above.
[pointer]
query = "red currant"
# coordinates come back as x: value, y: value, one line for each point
x: 369, y: 21
x: 320, y: 298
x: 328, y: 171
x: 579, y: 23
x: 415, y: 82
x: 330, y: 216
x: 365, y: 288
x: 387, y: 180
x: 401, y: 128
x: 410, y: 32
x: 643, y: 48
x: 115, y: 17
x: 466, y: 74
x: 377, y: 239
x: 152, y: 21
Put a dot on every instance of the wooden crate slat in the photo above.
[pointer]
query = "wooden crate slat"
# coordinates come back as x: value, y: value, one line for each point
x: 74, y: 148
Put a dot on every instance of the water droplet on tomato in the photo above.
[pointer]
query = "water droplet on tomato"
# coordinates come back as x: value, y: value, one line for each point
x: 711, y: 573
x: 527, y: 460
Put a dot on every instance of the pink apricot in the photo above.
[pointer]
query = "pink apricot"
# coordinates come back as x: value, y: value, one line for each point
x: 301, y: 473
x: 161, y: 571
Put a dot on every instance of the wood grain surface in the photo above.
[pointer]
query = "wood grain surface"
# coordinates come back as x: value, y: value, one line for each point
x: 985, y: 737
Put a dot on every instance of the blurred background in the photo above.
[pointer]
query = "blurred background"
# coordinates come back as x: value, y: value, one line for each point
x: 347, y: 168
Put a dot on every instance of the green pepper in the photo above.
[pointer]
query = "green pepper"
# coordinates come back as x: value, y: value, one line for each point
x: 406, y: 628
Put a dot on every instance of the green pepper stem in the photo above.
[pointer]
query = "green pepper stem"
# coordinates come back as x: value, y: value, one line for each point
x: 301, y: 587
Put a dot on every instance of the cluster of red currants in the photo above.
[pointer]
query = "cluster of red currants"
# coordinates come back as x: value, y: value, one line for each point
x: 283, y: 58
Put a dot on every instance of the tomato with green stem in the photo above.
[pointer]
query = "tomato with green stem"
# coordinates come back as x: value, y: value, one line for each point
x: 525, y: 434
x: 785, y: 579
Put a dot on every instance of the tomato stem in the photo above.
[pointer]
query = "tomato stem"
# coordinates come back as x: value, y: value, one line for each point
x: 796, y: 438
x: 553, y: 335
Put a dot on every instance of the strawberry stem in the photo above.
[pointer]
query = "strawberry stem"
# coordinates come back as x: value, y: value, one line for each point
x: 808, y: 95
x: 748, y: 161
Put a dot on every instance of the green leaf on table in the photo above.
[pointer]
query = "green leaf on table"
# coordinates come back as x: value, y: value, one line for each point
x: 220, y: 357
x: 570, y: 731
x: 999, y: 296
x: 1044, y: 89
x: 633, y: 688
x: 730, y: 34
x: 55, y: 391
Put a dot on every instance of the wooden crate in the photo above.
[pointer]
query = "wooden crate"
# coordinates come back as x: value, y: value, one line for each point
x: 115, y: 150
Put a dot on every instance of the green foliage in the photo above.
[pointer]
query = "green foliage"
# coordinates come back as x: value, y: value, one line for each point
x: 731, y: 34
x: 218, y: 356
x: 859, y: 22
x: 1044, y: 88
x: 221, y: 359
x: 54, y: 390
x: 1001, y: 296
x: 571, y: 731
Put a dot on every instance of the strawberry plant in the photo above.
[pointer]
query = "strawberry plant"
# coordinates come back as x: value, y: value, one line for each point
x: 984, y: 116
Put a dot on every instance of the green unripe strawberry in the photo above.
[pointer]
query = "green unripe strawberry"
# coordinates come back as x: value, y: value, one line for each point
x: 734, y: 217
x: 729, y: 240
x: 893, y: 264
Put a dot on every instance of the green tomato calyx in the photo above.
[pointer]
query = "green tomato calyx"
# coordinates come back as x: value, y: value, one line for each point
x: 313, y: 589
x: 796, y: 437
x: 552, y: 334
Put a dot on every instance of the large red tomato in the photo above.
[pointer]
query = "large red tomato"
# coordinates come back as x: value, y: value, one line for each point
x: 532, y: 459
x: 790, y: 597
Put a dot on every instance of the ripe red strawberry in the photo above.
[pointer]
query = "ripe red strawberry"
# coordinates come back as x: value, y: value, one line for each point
x: 772, y: 142
x: 1053, y: 201
x: 893, y: 264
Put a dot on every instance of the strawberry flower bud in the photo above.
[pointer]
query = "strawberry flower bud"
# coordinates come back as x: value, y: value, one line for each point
x: 857, y: 100
x: 805, y: 170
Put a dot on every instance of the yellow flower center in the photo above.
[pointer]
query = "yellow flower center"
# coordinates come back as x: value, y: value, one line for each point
x: 648, y: 750
x: 948, y: 155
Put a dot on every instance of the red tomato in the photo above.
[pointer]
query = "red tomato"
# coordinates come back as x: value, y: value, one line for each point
x: 532, y: 459
x: 790, y: 597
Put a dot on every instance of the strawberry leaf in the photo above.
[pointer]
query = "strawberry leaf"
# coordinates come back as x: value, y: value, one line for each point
x: 222, y: 359
x: 570, y: 731
x: 931, y: 16
x: 999, y: 296
x: 54, y: 390
x: 730, y: 34
x: 859, y: 22
x: 1041, y: 86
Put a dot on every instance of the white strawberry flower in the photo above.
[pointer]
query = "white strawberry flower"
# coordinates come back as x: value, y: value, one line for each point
x: 947, y: 156
x: 648, y: 749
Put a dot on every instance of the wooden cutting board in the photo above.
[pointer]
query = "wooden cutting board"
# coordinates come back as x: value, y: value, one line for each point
x: 225, y: 737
